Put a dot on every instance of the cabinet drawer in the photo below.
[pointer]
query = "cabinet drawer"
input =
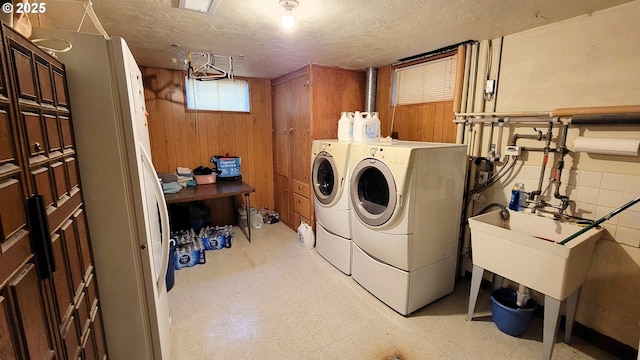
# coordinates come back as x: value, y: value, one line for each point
x: 301, y: 206
x: 297, y: 219
x: 301, y: 188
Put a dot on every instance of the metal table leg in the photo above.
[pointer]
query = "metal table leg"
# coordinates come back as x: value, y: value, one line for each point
x: 476, y: 279
x: 572, y: 305
x: 246, y: 201
x: 550, y: 328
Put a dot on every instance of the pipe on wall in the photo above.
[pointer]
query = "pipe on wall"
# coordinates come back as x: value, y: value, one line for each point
x: 370, y: 89
x: 606, y: 119
x: 479, y: 94
x: 471, y: 91
x: 457, y: 96
x: 460, y: 138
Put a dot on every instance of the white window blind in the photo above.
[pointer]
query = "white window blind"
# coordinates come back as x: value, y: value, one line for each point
x: 426, y: 82
x: 218, y: 95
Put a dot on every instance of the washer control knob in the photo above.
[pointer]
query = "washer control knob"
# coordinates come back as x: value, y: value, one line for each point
x: 373, y: 151
x: 324, y: 146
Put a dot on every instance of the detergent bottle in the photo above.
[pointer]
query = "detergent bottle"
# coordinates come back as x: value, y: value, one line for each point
x: 345, y: 127
x: 358, y: 127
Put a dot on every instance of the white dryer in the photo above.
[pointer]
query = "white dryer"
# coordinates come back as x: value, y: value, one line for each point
x: 330, y: 181
x: 405, y: 218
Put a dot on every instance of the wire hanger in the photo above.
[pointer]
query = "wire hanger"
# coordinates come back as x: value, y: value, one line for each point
x: 209, y: 70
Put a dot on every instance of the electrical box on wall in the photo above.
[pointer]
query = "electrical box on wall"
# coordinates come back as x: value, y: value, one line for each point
x: 512, y: 150
x: 490, y: 87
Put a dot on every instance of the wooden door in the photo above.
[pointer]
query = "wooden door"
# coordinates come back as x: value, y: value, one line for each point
x: 281, y: 115
x: 282, y: 198
x: 25, y: 329
x: 300, y: 143
x: 49, y: 273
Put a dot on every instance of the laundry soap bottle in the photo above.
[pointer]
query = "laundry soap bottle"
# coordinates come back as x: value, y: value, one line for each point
x: 516, y: 195
x: 372, y: 127
x: 345, y: 127
x: 358, y: 127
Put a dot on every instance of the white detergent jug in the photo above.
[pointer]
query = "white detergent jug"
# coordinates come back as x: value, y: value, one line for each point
x: 306, y: 238
x: 372, y: 127
x: 345, y: 127
x: 358, y: 127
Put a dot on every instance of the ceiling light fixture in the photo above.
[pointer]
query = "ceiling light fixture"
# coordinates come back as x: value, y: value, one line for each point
x: 288, y: 21
x: 204, y: 6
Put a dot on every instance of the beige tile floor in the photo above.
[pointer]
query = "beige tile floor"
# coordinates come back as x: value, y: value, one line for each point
x: 270, y: 299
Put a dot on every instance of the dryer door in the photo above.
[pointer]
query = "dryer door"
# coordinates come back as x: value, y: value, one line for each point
x: 373, y: 192
x: 324, y: 178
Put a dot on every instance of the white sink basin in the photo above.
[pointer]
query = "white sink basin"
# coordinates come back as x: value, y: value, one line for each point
x: 524, y: 249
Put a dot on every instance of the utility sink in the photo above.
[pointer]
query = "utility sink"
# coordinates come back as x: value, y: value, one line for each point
x: 524, y: 249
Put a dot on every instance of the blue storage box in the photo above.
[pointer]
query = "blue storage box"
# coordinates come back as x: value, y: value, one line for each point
x: 229, y: 167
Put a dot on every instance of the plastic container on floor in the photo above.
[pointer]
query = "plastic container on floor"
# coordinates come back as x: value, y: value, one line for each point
x: 507, y: 316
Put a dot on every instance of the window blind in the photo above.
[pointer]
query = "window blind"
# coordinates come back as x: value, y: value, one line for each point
x: 426, y: 82
x: 218, y: 95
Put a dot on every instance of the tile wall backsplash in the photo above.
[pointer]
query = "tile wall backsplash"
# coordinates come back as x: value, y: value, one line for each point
x: 593, y: 195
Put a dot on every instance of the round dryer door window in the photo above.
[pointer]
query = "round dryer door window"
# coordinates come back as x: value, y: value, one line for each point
x: 373, y: 192
x: 324, y: 177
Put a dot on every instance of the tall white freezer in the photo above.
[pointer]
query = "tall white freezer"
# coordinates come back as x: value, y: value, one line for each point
x: 127, y: 214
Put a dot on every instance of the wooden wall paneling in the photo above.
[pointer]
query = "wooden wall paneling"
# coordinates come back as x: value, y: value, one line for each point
x: 179, y: 119
x: 167, y: 119
x: 153, y: 96
x: 193, y: 140
x: 227, y: 139
x: 439, y: 124
x: 399, y: 122
x: 383, y: 99
x: 449, y: 128
x: 428, y: 122
x: 414, y: 116
x: 202, y: 123
x: 262, y: 134
x: 243, y: 139
x: 323, y: 120
x: 213, y: 134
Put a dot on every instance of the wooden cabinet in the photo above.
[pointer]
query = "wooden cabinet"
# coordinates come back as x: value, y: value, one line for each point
x: 49, y: 308
x: 306, y: 106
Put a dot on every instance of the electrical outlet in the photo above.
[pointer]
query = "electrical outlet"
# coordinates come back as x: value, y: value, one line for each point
x: 512, y: 150
x: 490, y: 87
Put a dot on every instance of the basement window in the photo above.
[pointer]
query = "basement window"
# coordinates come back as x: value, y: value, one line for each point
x: 217, y: 95
x: 425, y: 82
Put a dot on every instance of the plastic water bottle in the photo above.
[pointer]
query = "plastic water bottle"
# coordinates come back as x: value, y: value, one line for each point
x: 516, y: 193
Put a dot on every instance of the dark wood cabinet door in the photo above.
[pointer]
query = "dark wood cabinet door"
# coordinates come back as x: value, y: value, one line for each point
x: 282, y: 197
x: 8, y: 350
x: 46, y: 311
x: 24, y: 289
x: 300, y: 142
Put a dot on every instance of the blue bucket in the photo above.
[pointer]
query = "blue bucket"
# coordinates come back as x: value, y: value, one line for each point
x: 507, y: 316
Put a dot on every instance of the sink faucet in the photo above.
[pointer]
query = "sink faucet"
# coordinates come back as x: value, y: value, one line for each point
x: 540, y: 204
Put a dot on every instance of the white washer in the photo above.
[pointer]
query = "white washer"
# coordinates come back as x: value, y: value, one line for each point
x: 405, y: 218
x: 330, y: 181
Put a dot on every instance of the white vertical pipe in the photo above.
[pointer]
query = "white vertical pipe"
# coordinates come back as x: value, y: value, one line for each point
x: 479, y: 93
x: 465, y: 93
x: 471, y: 91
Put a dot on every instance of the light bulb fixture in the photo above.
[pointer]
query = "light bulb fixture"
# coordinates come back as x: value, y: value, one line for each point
x: 288, y: 21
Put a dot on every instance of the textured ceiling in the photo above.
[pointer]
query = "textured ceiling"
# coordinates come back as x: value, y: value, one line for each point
x: 353, y: 34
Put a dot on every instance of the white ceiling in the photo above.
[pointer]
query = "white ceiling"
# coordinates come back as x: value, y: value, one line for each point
x: 353, y: 34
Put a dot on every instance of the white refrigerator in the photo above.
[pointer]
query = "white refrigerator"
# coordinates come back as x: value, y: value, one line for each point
x: 127, y: 214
